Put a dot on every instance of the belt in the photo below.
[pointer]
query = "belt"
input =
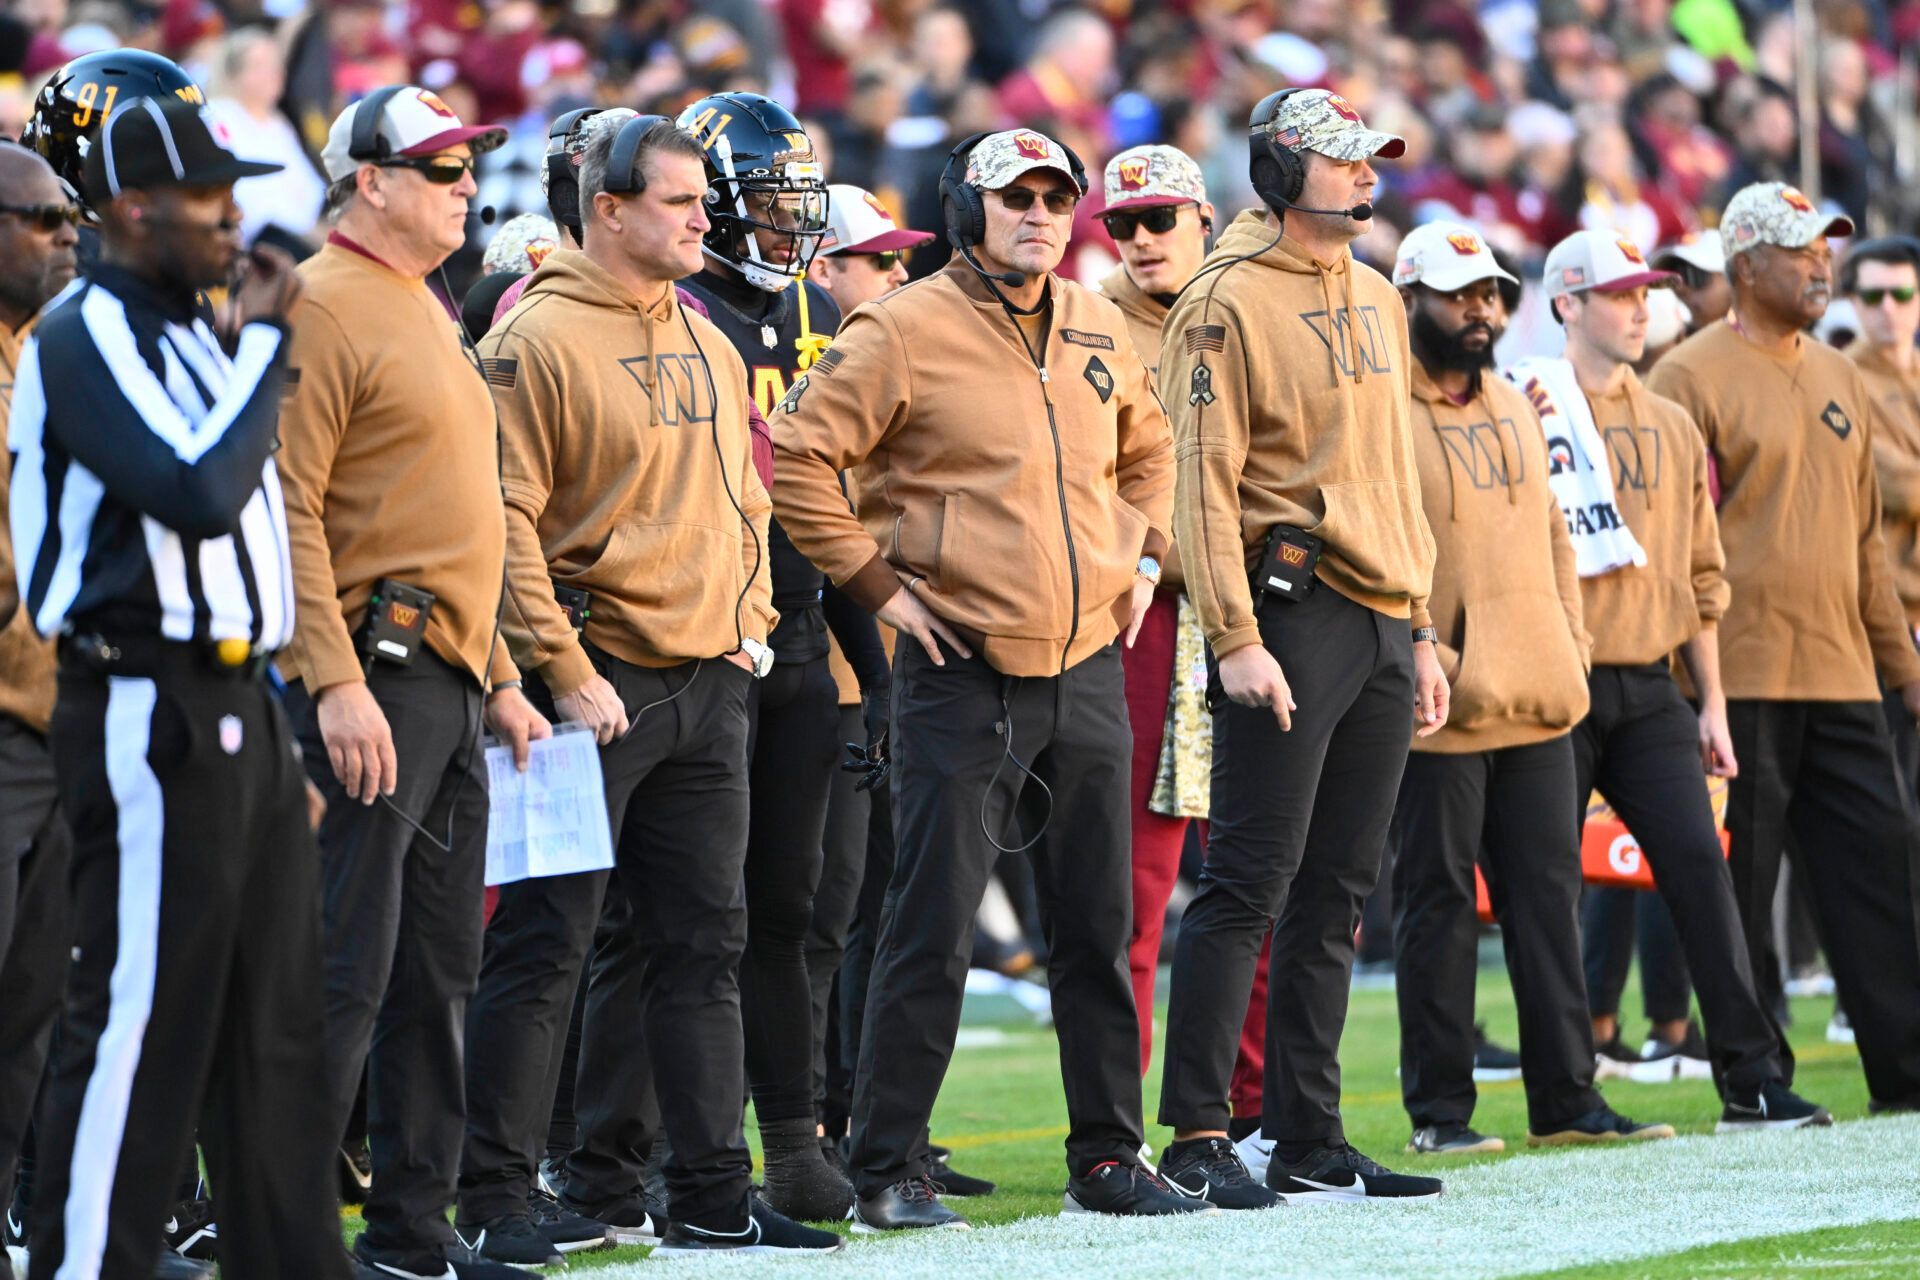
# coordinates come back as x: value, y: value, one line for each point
x: 149, y: 655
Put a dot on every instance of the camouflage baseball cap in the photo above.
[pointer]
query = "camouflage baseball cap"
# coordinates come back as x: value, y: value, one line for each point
x: 1775, y: 213
x: 1321, y: 120
x: 521, y: 245
x: 997, y: 159
x: 582, y: 135
x: 1142, y: 177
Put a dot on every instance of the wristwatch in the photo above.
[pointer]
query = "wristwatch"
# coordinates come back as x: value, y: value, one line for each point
x: 1429, y: 634
x: 1149, y: 568
x: 761, y: 655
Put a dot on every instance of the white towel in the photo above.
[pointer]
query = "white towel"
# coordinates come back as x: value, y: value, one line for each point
x: 1577, y: 467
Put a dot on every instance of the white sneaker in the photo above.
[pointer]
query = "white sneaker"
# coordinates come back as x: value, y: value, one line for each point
x: 1839, y: 1029
x: 17, y: 1261
x: 1256, y: 1152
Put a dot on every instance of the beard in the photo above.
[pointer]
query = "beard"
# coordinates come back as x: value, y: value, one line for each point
x: 1442, y: 348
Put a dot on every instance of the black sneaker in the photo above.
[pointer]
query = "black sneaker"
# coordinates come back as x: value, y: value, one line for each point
x: 356, y: 1172
x: 909, y: 1205
x: 1127, y: 1190
x: 951, y: 1181
x: 432, y: 1266
x: 1604, y: 1125
x: 766, y: 1231
x: 191, y: 1232
x: 567, y: 1231
x: 13, y: 1223
x: 632, y: 1218
x: 1771, y: 1106
x: 1452, y: 1139
x: 1689, y: 1058
x: 1341, y: 1175
x: 1615, y: 1061
x: 510, y: 1238
x: 1491, y: 1062
x: 1210, y: 1169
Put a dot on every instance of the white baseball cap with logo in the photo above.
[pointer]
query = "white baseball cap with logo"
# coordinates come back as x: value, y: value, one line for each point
x: 414, y: 122
x: 1701, y: 250
x: 858, y: 223
x: 1604, y: 261
x: 1445, y: 256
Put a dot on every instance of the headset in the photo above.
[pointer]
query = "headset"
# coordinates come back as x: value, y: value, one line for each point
x: 626, y: 151
x: 561, y: 177
x: 1280, y: 175
x: 965, y: 212
x: 365, y: 144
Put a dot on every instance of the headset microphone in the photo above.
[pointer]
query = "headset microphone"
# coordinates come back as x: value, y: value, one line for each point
x: 1359, y: 213
x: 485, y: 213
x: 1012, y: 279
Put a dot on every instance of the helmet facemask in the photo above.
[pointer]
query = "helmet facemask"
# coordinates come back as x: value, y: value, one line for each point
x: 788, y: 200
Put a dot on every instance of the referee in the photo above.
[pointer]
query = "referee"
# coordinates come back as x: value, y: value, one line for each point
x: 146, y: 516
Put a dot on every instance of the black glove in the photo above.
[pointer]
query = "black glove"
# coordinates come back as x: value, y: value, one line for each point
x: 874, y: 760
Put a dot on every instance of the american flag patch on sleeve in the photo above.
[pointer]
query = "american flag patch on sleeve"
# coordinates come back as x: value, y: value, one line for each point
x: 1206, y: 337
x: 502, y: 371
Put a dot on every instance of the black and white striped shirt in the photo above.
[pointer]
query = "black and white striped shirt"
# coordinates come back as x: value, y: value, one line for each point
x: 145, y: 500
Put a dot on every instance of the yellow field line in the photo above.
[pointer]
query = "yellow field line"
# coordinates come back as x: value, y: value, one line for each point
x: 968, y: 1141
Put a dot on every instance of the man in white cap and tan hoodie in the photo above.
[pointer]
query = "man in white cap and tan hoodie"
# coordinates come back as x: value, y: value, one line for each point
x: 1495, y: 786
x: 1630, y: 462
x: 398, y: 536
x: 1790, y: 424
x: 863, y: 254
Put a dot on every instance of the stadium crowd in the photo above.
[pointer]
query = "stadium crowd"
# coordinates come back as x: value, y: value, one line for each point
x: 968, y: 469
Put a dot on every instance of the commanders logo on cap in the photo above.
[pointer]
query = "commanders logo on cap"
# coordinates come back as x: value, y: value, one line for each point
x: 1632, y: 251
x: 1343, y: 108
x: 1133, y: 173
x: 431, y: 101
x: 1465, y: 245
x: 875, y: 204
x: 1031, y: 145
x: 1795, y: 200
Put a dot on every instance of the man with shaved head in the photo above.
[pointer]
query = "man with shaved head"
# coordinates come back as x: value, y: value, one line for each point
x: 37, y: 236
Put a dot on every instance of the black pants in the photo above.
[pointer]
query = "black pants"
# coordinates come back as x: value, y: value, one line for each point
x: 1640, y: 748
x: 1819, y: 778
x: 950, y: 768
x: 1298, y: 822
x: 863, y: 936
x: 197, y: 993
x: 1513, y: 805
x: 835, y: 902
x: 794, y: 741
x: 404, y: 912
x: 1906, y: 739
x: 35, y: 925
x: 664, y: 971
x: 1612, y: 923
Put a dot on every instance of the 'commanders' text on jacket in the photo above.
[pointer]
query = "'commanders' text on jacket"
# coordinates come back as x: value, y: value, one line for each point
x: 1025, y: 535
x: 1287, y: 380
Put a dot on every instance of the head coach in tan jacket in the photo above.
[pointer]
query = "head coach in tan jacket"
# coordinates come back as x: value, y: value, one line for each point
x: 1288, y: 376
x: 1495, y: 785
x: 1011, y: 469
x: 1640, y: 745
x: 390, y: 470
x: 1791, y: 424
x: 629, y: 478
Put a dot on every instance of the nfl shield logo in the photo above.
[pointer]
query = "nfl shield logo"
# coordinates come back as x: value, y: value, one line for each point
x: 230, y: 734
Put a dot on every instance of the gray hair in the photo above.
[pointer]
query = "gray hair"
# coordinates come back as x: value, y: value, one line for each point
x: 663, y: 136
x: 340, y: 193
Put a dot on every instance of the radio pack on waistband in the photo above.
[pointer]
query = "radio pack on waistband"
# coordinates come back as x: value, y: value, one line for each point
x: 577, y: 604
x: 1286, y: 571
x: 396, y: 622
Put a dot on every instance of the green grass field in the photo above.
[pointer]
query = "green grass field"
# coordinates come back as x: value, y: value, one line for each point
x: 1002, y: 1112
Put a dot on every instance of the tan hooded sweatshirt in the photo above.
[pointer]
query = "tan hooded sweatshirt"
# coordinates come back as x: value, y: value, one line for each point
x: 1288, y: 381
x: 27, y: 666
x: 613, y: 479
x: 1016, y: 509
x: 1896, y: 455
x: 1506, y: 595
x: 1145, y: 315
x: 1641, y: 613
x: 1813, y: 606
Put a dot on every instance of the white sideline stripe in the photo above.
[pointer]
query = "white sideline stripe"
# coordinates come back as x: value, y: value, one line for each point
x: 103, y: 1109
x: 1520, y: 1216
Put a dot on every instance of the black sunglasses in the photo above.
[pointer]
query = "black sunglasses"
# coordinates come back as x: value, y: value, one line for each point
x: 47, y: 216
x: 886, y: 259
x: 1901, y: 293
x: 443, y: 170
x: 1020, y: 199
x: 1159, y: 220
